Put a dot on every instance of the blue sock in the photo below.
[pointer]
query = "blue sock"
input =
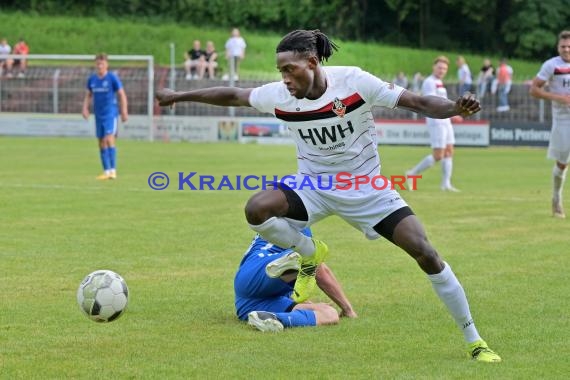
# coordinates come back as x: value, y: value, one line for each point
x: 112, y: 151
x: 105, y: 158
x: 297, y: 318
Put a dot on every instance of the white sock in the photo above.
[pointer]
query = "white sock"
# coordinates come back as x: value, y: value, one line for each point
x: 453, y: 296
x: 558, y: 178
x: 424, y: 164
x: 298, y: 224
x: 279, y: 232
x: 446, y: 170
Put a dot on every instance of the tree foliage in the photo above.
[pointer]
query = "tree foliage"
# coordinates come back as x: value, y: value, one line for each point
x: 534, y: 25
x: 519, y: 28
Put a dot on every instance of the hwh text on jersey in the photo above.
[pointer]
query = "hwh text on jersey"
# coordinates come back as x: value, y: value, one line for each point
x: 326, y: 135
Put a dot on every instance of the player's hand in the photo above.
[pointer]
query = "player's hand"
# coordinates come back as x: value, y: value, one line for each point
x: 467, y: 105
x: 348, y: 314
x: 165, y: 97
x: 124, y: 118
x: 85, y: 114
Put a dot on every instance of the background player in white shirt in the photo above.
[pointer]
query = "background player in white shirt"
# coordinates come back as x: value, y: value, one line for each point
x: 556, y: 73
x: 235, y: 50
x: 328, y: 110
x: 441, y: 134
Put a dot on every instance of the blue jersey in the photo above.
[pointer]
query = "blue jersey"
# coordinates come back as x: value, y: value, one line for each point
x: 104, y: 91
x: 254, y: 290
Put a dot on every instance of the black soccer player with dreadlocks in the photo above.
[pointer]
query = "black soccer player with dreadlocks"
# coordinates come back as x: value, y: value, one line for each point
x: 328, y: 111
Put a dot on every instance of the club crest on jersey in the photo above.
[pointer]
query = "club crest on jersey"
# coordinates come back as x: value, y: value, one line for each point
x: 338, y: 107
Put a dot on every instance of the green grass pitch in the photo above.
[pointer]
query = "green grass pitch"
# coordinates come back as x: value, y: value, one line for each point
x: 178, y: 251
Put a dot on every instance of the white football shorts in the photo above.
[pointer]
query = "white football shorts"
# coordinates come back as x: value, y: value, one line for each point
x: 559, y: 144
x: 441, y: 135
x: 363, y: 208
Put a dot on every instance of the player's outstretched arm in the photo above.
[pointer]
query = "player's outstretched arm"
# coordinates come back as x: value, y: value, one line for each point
x: 332, y: 288
x: 437, y: 107
x: 218, y: 96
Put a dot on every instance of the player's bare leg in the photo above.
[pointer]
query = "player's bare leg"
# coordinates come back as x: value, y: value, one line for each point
x: 410, y: 235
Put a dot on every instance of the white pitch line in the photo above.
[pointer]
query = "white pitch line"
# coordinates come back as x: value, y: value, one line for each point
x: 104, y: 188
x: 65, y: 187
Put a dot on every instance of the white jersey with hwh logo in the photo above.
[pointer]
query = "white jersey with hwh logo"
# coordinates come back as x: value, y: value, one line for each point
x: 556, y: 72
x: 335, y: 133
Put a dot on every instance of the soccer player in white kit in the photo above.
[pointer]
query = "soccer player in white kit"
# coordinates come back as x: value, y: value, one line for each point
x: 328, y: 111
x: 441, y: 133
x: 556, y: 73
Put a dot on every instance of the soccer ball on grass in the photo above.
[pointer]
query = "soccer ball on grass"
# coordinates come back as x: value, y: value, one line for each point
x: 103, y: 296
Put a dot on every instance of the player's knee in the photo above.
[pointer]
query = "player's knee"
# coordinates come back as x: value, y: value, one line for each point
x: 437, y: 156
x: 418, y: 246
x: 428, y: 258
x: 423, y: 252
x: 264, y: 205
x: 252, y: 211
x: 109, y: 140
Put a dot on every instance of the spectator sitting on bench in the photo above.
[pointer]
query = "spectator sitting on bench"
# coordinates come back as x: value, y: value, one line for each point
x: 193, y: 58
x: 209, y: 62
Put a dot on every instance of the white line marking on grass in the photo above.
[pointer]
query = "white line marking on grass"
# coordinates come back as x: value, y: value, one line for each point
x: 39, y: 186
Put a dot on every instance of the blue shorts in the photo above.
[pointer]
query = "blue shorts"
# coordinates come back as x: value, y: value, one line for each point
x: 254, y: 290
x: 106, y: 126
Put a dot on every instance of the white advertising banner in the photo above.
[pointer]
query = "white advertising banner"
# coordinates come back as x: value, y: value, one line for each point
x: 38, y: 124
x: 213, y: 128
x: 164, y: 128
x: 415, y: 132
x: 390, y: 132
x: 185, y: 128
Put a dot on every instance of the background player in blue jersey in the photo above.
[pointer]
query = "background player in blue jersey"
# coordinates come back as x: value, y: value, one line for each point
x: 104, y: 87
x: 264, y: 283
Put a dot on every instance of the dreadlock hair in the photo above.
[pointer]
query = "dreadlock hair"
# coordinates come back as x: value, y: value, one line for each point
x: 308, y: 41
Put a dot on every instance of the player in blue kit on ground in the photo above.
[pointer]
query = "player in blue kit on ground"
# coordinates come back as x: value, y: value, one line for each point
x: 104, y: 87
x: 264, y: 283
